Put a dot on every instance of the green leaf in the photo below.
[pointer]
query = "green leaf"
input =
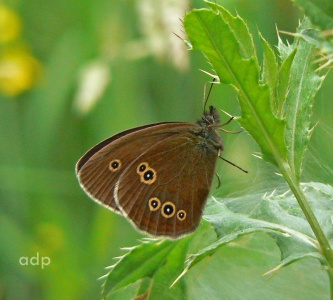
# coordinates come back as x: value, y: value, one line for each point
x: 277, y: 215
x: 285, y: 50
x: 286, y: 91
x: 239, y: 29
x: 166, y: 275
x: 317, y: 39
x: 236, y: 272
x: 303, y: 86
x: 270, y: 72
x: 319, y: 11
x: 134, y: 265
x: 160, y: 261
x: 284, y: 77
x: 216, y: 37
x: 324, y: 44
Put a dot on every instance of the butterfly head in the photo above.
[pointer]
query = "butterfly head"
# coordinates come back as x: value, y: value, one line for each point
x: 210, y: 117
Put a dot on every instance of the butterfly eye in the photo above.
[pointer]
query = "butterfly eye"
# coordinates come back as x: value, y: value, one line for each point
x: 154, y: 204
x: 115, y: 165
x: 181, y: 215
x: 168, y: 209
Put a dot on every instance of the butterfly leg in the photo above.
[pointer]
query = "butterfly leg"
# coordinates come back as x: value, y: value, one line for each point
x: 231, y: 163
x: 232, y: 132
x: 218, y: 179
x: 226, y: 123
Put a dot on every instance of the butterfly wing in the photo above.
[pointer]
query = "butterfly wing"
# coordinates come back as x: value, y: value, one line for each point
x: 100, y: 168
x: 163, y: 191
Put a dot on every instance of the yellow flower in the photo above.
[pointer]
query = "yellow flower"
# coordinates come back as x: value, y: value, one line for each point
x: 18, y: 72
x: 18, y: 68
x: 10, y: 24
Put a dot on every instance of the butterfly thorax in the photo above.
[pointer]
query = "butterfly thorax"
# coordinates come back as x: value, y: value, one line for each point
x: 209, y: 136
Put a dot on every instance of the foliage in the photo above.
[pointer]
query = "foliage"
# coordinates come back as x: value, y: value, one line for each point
x: 276, y: 102
x: 94, y: 68
x: 321, y: 15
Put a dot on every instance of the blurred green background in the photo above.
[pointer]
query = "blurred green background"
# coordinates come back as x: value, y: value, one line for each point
x: 75, y: 72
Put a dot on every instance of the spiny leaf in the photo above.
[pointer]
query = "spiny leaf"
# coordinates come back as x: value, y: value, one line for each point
x: 277, y: 215
x: 218, y: 38
x: 284, y: 78
x: 135, y: 265
x: 239, y: 29
x: 322, y: 41
x: 160, y: 261
x: 303, y: 86
x: 319, y: 11
x: 270, y: 73
x: 264, y: 101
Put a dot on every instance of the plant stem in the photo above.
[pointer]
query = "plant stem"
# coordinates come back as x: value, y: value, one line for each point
x: 311, y: 218
x: 330, y: 277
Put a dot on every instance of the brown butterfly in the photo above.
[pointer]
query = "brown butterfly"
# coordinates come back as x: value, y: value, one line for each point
x: 157, y: 175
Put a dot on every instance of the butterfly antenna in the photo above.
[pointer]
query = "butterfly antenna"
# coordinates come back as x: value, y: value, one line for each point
x: 207, y: 97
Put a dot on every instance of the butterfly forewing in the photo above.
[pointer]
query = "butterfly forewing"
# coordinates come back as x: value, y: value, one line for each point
x: 100, y: 168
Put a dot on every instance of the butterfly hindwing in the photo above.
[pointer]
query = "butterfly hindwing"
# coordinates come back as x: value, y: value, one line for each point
x: 163, y: 190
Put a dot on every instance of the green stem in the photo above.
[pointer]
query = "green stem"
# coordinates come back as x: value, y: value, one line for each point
x: 330, y: 277
x: 311, y: 218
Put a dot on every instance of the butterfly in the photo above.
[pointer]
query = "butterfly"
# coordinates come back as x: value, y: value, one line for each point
x: 158, y: 175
